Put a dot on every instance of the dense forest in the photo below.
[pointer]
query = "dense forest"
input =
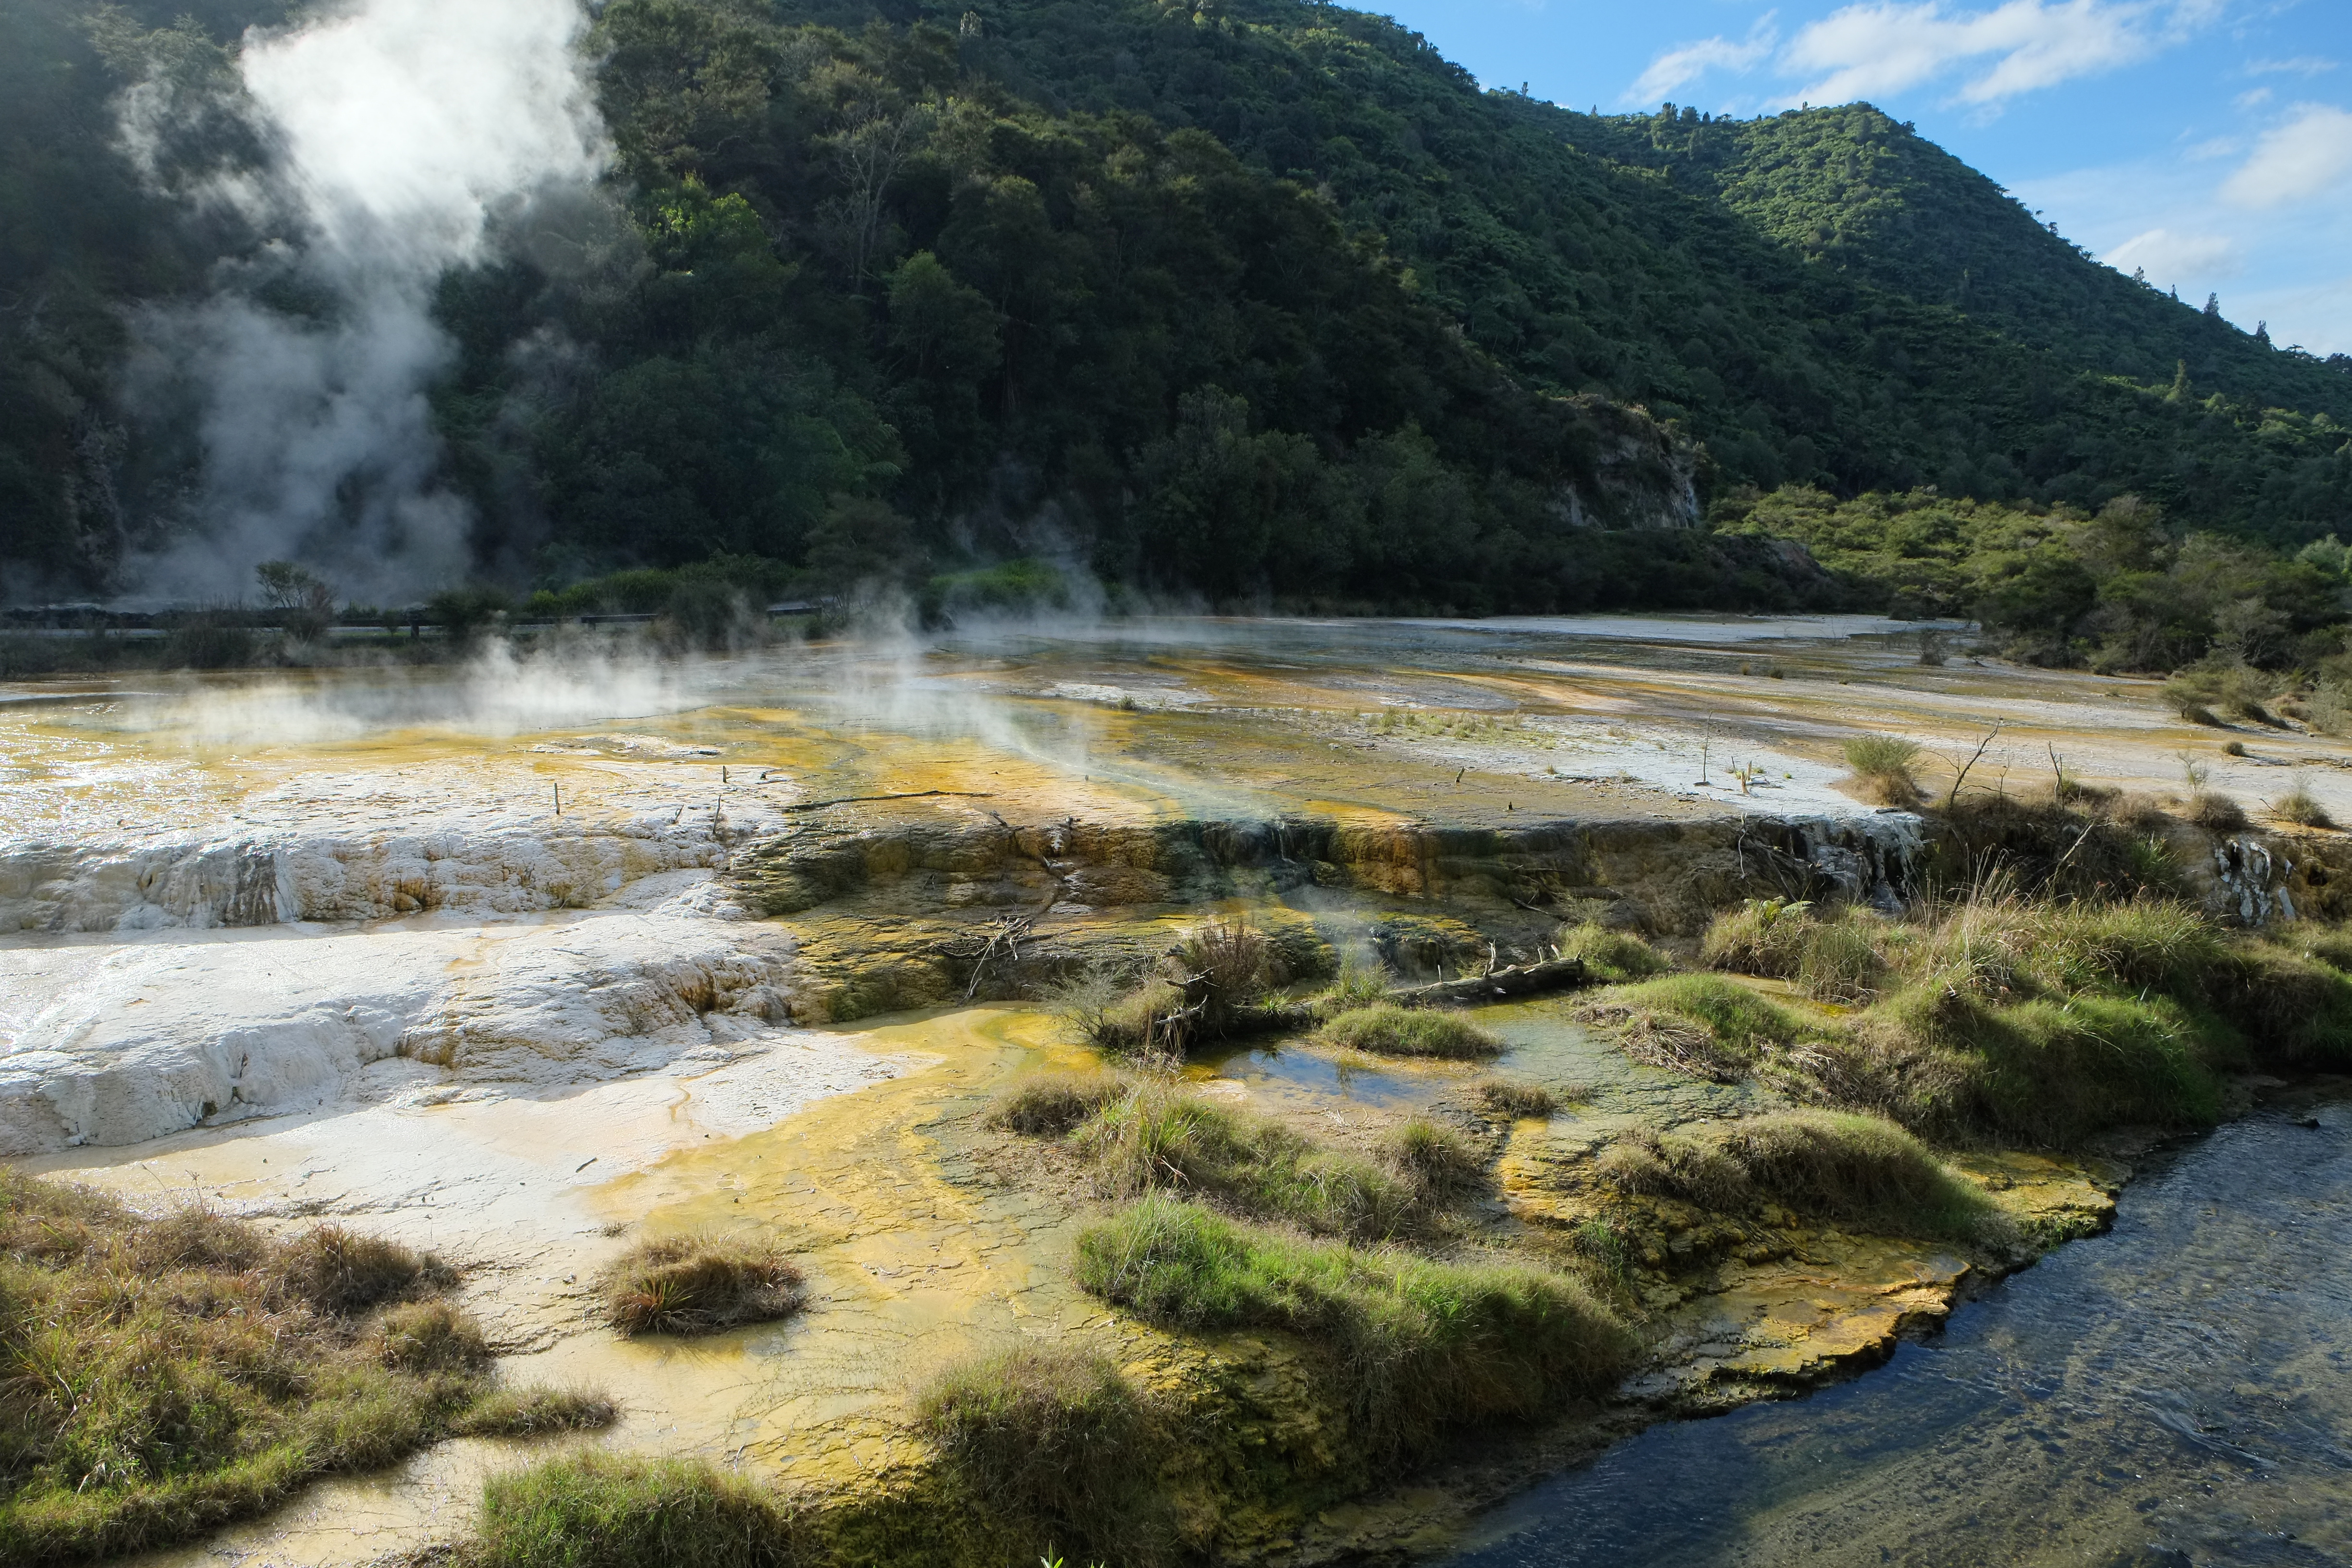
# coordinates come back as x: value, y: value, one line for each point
x: 1258, y: 300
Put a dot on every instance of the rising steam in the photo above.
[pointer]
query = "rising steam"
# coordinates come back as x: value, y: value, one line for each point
x: 399, y: 133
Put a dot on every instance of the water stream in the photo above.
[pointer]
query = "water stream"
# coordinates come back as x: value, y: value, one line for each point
x: 2177, y: 1392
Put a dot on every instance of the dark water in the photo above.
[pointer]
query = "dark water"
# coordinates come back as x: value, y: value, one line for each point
x: 2177, y: 1392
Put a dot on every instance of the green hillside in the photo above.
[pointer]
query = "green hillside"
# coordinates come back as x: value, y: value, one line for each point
x: 1264, y: 302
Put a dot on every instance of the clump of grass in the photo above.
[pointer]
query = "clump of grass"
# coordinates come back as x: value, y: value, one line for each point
x: 536, y: 1413
x: 2301, y: 807
x: 1882, y: 764
x: 1438, y: 1160
x: 602, y: 1510
x: 1051, y: 1104
x: 2215, y: 812
x: 1731, y: 1012
x: 1359, y: 985
x: 1419, y: 1346
x: 1057, y: 1440
x: 166, y: 1375
x: 1158, y: 1138
x: 432, y: 1336
x: 1858, y: 1171
x: 1613, y: 956
x: 699, y: 1285
x: 1230, y: 959
x: 1504, y: 1097
x: 1388, y: 1030
x: 1837, y: 959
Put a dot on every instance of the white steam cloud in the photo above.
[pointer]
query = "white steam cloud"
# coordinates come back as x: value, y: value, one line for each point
x: 400, y: 131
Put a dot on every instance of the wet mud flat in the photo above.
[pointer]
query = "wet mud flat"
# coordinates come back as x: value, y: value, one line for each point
x: 784, y: 942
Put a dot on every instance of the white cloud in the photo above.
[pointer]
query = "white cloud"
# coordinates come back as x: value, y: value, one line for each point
x: 1878, y: 50
x: 2301, y: 65
x: 2168, y: 258
x: 1685, y: 63
x: 2307, y: 156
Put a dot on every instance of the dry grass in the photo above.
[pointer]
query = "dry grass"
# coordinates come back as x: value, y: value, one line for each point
x: 699, y: 1285
x: 2215, y: 812
x: 166, y: 1375
x: 1387, y: 1029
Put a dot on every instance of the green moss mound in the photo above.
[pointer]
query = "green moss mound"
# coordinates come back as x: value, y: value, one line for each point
x: 1418, y: 1346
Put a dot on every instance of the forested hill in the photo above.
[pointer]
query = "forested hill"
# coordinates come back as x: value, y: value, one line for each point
x: 1262, y: 299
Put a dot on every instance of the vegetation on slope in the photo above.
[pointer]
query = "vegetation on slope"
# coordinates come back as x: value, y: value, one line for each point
x: 1257, y: 300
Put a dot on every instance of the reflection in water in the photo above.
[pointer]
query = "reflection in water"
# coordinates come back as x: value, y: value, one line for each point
x: 2178, y: 1392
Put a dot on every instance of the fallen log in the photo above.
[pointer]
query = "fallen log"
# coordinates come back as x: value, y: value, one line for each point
x: 1518, y: 980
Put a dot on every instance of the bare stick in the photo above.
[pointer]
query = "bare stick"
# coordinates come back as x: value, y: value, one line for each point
x: 1962, y: 776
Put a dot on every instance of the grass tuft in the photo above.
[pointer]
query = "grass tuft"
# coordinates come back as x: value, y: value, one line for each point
x: 537, y: 1413
x: 1419, y: 1346
x: 1159, y: 1138
x: 431, y: 1336
x: 2301, y: 807
x: 1883, y: 764
x: 1858, y: 1171
x: 1505, y: 1097
x: 1050, y: 1104
x: 1613, y: 956
x: 602, y: 1510
x: 1388, y: 1030
x: 2215, y: 812
x: 1054, y: 1439
x: 699, y: 1285
x: 1437, y: 1160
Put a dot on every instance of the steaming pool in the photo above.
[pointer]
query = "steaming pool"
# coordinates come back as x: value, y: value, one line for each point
x: 516, y: 957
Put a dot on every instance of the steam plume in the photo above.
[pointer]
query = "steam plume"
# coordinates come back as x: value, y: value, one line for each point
x: 401, y: 130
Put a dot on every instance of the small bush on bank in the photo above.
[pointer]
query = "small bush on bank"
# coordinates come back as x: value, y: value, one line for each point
x: 699, y: 1285
x: 1419, y: 1346
x: 1504, y: 1097
x: 2301, y: 809
x: 1613, y: 956
x: 1057, y: 1440
x: 2215, y: 812
x: 1883, y: 764
x: 1388, y: 1030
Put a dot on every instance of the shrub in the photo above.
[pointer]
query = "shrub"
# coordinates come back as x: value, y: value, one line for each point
x: 1613, y: 956
x: 1051, y: 1104
x: 1418, y: 1346
x: 1231, y: 958
x: 1056, y: 1439
x: 1882, y: 763
x: 1388, y: 1030
x: 699, y: 1285
x: 1503, y: 1098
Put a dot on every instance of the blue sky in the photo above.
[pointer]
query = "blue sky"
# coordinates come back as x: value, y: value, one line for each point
x: 2207, y: 142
